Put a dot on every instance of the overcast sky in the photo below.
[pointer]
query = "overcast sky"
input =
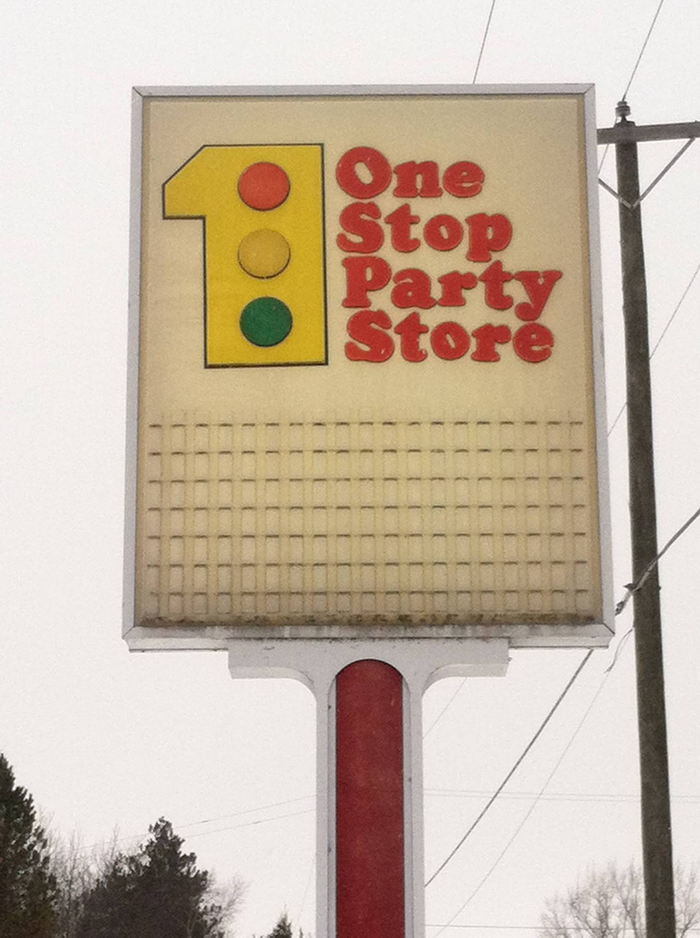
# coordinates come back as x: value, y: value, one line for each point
x: 103, y: 738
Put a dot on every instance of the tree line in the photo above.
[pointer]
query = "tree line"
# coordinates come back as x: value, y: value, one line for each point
x: 52, y: 889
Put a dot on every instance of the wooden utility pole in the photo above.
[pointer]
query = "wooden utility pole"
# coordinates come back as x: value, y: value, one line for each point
x: 651, y: 710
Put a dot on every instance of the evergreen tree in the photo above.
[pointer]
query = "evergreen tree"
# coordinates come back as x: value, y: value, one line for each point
x: 27, y: 887
x: 283, y: 929
x: 157, y: 892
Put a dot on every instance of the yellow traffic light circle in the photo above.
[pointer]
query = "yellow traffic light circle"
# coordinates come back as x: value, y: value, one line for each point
x: 264, y: 253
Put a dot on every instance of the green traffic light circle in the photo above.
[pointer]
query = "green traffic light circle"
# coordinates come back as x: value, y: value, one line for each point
x: 266, y: 321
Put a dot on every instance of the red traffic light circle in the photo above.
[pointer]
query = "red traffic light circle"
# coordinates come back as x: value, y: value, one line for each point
x: 263, y: 186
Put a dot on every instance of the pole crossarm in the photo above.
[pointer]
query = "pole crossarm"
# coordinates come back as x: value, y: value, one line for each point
x: 653, y: 184
x: 628, y: 132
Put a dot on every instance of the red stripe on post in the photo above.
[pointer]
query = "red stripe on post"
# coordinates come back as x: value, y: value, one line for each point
x: 370, y: 891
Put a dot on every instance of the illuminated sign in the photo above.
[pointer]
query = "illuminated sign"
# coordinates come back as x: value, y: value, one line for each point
x: 366, y: 367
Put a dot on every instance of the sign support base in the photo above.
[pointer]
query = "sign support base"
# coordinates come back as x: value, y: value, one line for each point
x: 318, y: 665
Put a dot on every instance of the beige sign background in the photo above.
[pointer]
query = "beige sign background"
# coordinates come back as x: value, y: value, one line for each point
x: 456, y: 486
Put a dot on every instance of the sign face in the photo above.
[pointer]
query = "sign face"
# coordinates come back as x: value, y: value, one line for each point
x: 366, y: 367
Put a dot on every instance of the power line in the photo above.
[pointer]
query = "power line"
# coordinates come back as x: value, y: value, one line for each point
x: 449, y: 702
x: 534, y: 804
x: 619, y: 414
x: 264, y: 820
x: 632, y: 588
x: 224, y: 817
x: 673, y: 314
x: 575, y: 930
x: 483, y: 42
x: 634, y: 72
x: 578, y: 797
x: 644, y: 45
x: 221, y: 817
x: 312, y: 867
x: 658, y: 341
x: 540, y: 794
x: 512, y: 771
x: 499, y: 927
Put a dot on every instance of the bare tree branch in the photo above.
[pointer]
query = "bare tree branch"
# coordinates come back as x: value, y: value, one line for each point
x: 609, y: 903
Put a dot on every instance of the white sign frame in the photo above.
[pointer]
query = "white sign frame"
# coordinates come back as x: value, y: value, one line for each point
x: 190, y: 635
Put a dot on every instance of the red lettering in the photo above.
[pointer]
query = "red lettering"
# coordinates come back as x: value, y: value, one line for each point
x: 401, y: 221
x: 411, y: 329
x: 355, y: 219
x: 538, y: 287
x: 376, y: 166
x: 407, y: 180
x: 493, y: 279
x: 450, y: 340
x: 443, y: 232
x: 368, y: 328
x: 412, y: 289
x: 453, y: 286
x: 363, y: 274
x: 487, y: 233
x: 533, y: 342
x: 463, y: 179
x: 486, y: 338
x: 371, y: 341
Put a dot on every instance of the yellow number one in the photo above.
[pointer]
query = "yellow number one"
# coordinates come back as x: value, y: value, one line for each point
x: 264, y: 277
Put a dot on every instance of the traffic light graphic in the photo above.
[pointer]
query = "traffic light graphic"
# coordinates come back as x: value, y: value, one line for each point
x: 264, y: 278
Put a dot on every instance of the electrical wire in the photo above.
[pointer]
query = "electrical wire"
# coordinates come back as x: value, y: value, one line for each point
x: 221, y: 817
x: 483, y: 42
x: 447, y: 705
x: 673, y: 314
x: 575, y: 929
x: 264, y: 820
x: 492, y: 927
x: 225, y: 817
x: 619, y: 414
x: 517, y: 764
x: 537, y: 798
x: 658, y: 341
x: 620, y: 607
x: 309, y: 878
x: 632, y: 588
x: 644, y: 45
x: 620, y: 646
x: 634, y: 72
x: 581, y: 797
